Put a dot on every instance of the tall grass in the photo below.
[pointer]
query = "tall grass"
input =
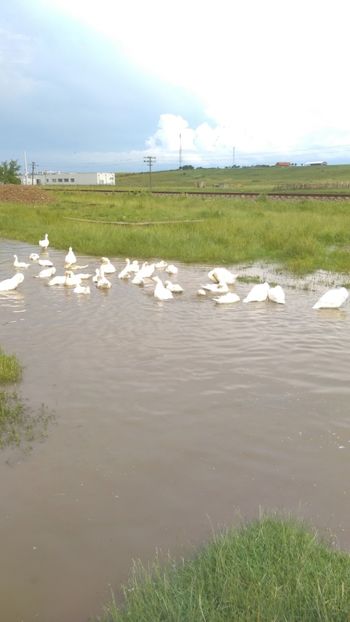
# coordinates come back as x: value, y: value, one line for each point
x: 301, y: 235
x: 10, y: 368
x: 271, y: 570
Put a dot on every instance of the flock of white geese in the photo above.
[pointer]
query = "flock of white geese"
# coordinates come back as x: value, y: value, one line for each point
x: 221, y: 279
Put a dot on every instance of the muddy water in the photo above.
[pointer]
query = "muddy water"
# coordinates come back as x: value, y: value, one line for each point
x: 171, y: 419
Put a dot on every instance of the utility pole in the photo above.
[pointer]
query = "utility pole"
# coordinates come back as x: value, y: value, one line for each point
x: 33, y: 169
x: 150, y: 160
x: 180, y: 153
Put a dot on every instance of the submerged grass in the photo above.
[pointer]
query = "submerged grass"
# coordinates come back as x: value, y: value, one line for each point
x: 18, y: 426
x: 271, y: 570
x: 300, y: 235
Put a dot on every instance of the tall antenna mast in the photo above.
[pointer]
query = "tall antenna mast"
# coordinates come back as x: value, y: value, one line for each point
x: 25, y: 169
x: 180, y: 153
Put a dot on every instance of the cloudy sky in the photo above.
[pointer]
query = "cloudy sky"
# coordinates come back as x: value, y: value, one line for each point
x: 89, y: 85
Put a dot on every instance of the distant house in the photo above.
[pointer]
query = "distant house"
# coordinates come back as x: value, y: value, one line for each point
x: 283, y: 164
x: 315, y: 163
x: 59, y: 178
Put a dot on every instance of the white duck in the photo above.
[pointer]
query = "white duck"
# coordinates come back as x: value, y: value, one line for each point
x: 20, y: 264
x: 222, y: 275
x: 70, y: 258
x: 57, y: 280
x: 72, y: 280
x: 161, y: 292
x: 175, y: 288
x: 80, y: 289
x: 103, y: 282
x: 216, y: 288
x: 171, y: 269
x: 276, y: 294
x: 146, y: 271
x: 46, y: 273
x: 333, y: 299
x: 34, y: 256
x: 44, y: 244
x: 125, y: 272
x: 228, y: 298
x: 9, y: 284
x: 258, y: 293
x: 108, y: 267
x: 45, y: 263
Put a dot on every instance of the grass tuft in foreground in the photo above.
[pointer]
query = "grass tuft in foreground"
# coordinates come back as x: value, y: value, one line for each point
x: 271, y: 570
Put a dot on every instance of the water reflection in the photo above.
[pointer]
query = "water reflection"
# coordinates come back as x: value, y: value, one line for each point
x: 171, y: 417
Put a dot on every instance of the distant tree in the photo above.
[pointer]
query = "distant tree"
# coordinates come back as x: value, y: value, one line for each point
x: 9, y: 172
x: 187, y: 167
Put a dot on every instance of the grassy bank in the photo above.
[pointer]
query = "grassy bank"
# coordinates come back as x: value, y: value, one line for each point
x: 271, y: 570
x: 300, y: 235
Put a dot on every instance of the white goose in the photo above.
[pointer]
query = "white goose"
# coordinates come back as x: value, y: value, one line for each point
x: 44, y: 244
x: 160, y: 265
x: 103, y: 282
x: 222, y: 275
x: 34, y: 256
x: 171, y: 269
x: 46, y: 273
x: 258, y: 293
x: 45, y: 263
x: 161, y: 292
x: 70, y: 258
x: 125, y: 272
x: 228, y: 298
x: 216, y: 288
x: 108, y: 267
x: 9, y: 284
x: 20, y: 264
x: 333, y: 299
x: 276, y: 294
x: 72, y: 280
x: 57, y: 280
x: 80, y: 289
x: 175, y: 288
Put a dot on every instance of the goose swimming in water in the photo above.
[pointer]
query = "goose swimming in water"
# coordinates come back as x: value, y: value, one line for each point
x: 108, y: 267
x: 175, y: 288
x: 20, y: 264
x: 161, y: 292
x: 34, y: 256
x: 9, y: 284
x: 228, y: 298
x: 44, y: 244
x: 46, y: 273
x: 45, y: 263
x: 276, y: 294
x: 171, y: 269
x: 258, y: 293
x: 216, y: 288
x: 102, y: 281
x: 333, y: 299
x: 222, y: 275
x: 80, y: 289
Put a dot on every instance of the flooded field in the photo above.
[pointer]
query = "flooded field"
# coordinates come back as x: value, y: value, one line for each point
x: 170, y: 420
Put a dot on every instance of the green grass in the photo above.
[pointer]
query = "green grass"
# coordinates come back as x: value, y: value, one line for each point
x: 10, y: 368
x: 272, y: 570
x: 301, y: 235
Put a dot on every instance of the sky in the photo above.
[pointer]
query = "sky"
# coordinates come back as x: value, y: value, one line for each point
x: 99, y: 86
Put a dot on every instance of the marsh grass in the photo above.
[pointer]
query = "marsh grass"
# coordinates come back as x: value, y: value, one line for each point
x: 300, y: 236
x: 271, y: 570
x: 18, y: 425
x: 10, y: 368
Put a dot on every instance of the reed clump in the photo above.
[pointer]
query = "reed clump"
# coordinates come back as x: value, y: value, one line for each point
x: 273, y: 569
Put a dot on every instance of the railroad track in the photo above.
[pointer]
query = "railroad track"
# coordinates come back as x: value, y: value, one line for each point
x: 224, y: 194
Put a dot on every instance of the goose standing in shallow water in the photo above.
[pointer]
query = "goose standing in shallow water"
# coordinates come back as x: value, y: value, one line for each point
x: 9, y: 284
x: 20, y: 264
x: 44, y: 244
x: 161, y: 292
x: 333, y: 299
x: 70, y: 258
x: 258, y: 293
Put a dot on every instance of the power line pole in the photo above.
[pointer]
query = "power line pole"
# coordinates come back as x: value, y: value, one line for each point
x: 33, y: 169
x: 150, y: 160
x: 180, y: 153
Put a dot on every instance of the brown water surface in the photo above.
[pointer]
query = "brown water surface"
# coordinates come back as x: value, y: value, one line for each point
x: 171, y: 419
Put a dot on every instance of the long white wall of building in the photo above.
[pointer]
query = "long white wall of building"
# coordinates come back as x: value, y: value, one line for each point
x: 70, y: 179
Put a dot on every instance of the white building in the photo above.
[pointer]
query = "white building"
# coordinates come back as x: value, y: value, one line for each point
x: 59, y: 178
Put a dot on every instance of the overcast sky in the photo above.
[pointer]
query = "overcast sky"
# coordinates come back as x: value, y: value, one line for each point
x: 89, y: 85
